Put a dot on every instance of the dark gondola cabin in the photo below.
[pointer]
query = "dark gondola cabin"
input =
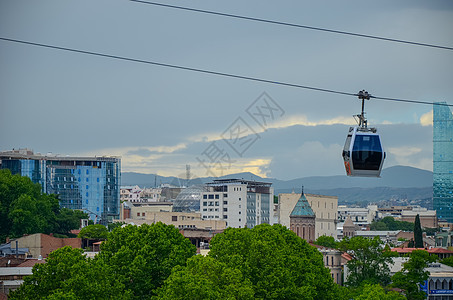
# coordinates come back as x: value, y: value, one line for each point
x: 363, y: 154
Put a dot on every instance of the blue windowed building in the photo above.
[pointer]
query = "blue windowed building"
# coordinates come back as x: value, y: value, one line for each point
x: 90, y: 184
x: 443, y: 162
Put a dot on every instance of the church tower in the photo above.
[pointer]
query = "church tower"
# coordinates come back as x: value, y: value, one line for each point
x: 302, y: 219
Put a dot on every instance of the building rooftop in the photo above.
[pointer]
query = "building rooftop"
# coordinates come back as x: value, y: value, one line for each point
x: 29, y: 154
x: 302, y: 208
x: 239, y: 181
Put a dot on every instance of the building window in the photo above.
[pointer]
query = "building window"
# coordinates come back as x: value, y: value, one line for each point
x: 239, y: 199
x: 138, y: 214
x: 211, y: 203
x: 225, y: 209
x: 205, y: 196
x: 205, y: 203
x: 217, y: 203
x: 225, y: 195
x: 205, y: 209
x: 211, y: 196
x: 225, y: 202
x: 174, y: 218
x: 225, y: 216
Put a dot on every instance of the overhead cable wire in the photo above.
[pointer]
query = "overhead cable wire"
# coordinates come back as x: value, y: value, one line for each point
x: 294, y: 25
x: 230, y: 75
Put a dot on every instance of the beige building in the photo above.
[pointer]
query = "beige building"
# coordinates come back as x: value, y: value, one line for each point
x: 138, y: 211
x: 324, y: 207
x: 181, y: 220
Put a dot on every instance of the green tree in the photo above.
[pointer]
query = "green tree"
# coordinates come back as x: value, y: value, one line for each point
x: 143, y: 256
x: 69, y: 219
x: 377, y: 292
x: 368, y: 265
x: 448, y: 261
x: 413, y: 273
x: 112, y: 226
x: 94, y: 232
x: 205, y: 278
x: 418, y: 234
x: 24, y: 209
x: 389, y: 223
x: 326, y: 241
x: 279, y: 264
x: 68, y: 274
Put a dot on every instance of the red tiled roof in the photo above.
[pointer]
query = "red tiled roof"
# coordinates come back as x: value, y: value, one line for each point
x: 406, y: 250
x: 439, y: 250
x: 31, y: 262
x: 346, y: 256
x: 431, y: 251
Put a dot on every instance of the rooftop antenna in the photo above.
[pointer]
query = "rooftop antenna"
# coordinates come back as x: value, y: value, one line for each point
x: 302, y: 190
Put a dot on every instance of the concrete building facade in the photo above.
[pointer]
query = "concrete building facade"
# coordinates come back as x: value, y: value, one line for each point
x: 238, y: 202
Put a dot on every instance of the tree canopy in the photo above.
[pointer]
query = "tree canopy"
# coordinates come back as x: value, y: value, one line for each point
x: 24, y: 209
x: 368, y: 265
x: 279, y: 264
x: 413, y: 273
x: 68, y: 274
x: 94, y: 232
x: 326, y: 241
x: 206, y: 278
x: 143, y: 256
x: 389, y: 223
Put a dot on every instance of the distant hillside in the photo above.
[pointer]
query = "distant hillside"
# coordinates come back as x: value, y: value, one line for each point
x: 398, y: 182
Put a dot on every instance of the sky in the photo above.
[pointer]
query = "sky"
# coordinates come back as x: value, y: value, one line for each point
x: 160, y: 119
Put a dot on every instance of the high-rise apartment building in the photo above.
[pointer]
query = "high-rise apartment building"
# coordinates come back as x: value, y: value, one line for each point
x: 443, y: 162
x: 90, y: 184
x: 239, y: 202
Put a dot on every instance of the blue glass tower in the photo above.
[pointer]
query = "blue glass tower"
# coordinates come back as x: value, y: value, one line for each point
x: 443, y: 162
x: 90, y: 184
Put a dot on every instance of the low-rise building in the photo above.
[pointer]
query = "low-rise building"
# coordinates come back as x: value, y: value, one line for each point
x: 181, y: 220
x: 40, y: 244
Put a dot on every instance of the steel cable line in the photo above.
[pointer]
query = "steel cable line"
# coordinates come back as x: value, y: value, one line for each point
x: 209, y: 71
x: 294, y: 25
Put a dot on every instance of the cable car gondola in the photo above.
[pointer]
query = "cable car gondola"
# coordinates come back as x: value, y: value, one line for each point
x: 363, y: 154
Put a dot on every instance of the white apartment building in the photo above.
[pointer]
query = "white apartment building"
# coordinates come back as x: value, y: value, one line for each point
x: 151, y: 194
x: 360, y: 216
x: 130, y: 193
x: 238, y: 202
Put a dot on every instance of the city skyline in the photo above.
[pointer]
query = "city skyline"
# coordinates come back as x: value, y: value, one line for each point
x: 160, y: 119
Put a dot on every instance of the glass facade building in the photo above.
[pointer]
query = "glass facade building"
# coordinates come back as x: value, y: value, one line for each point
x: 90, y: 184
x: 443, y: 162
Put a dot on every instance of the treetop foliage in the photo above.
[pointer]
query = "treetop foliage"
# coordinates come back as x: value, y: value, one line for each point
x: 94, y: 232
x: 278, y: 264
x: 369, y: 264
x: 143, y: 256
x: 326, y: 241
x: 389, y: 223
x: 24, y: 209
